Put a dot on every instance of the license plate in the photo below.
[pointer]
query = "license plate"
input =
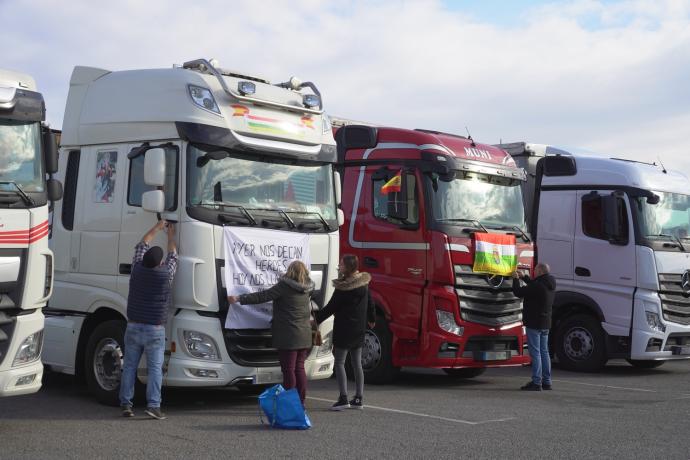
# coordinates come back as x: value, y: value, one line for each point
x: 678, y: 350
x: 269, y: 377
x: 491, y: 355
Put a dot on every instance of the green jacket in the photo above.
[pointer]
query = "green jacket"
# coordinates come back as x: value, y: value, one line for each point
x: 291, y: 326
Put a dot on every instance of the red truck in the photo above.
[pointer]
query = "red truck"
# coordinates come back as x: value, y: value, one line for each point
x: 417, y: 239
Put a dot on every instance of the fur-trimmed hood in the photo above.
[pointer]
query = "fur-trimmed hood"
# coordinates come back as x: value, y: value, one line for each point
x: 298, y: 286
x: 357, y: 280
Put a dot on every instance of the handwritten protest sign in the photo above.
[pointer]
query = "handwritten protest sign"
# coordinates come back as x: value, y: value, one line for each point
x: 254, y: 260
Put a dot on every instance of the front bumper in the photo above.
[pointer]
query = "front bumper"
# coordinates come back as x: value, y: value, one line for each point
x: 24, y: 379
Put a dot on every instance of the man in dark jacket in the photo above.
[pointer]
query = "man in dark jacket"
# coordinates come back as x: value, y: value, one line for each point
x: 538, y: 297
x: 147, y: 312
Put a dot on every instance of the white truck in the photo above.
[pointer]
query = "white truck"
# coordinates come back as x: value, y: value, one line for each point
x: 28, y: 152
x: 615, y: 233
x: 208, y: 148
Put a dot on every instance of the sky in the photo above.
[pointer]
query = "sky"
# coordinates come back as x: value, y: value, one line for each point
x: 608, y: 76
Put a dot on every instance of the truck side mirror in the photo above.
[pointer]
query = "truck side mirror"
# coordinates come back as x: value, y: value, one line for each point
x: 54, y: 189
x: 338, y: 187
x: 50, y: 151
x: 154, y: 167
x: 341, y: 217
x: 153, y: 201
x: 615, y: 218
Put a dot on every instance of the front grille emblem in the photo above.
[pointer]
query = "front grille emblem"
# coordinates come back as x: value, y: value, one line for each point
x: 495, y: 281
x: 685, y: 282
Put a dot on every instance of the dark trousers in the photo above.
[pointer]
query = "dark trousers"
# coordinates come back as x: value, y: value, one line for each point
x: 292, y: 365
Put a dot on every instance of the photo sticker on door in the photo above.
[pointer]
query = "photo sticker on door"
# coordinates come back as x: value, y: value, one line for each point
x: 106, y: 169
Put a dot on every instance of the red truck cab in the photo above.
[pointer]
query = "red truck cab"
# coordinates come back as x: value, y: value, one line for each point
x: 418, y: 243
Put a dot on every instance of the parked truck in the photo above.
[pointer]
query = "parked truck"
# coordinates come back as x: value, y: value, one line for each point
x: 615, y: 233
x: 419, y: 244
x: 28, y: 152
x: 208, y: 148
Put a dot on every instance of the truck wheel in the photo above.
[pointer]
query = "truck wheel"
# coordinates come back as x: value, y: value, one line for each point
x: 103, y: 361
x: 645, y: 364
x: 580, y: 344
x: 465, y: 373
x: 377, y: 359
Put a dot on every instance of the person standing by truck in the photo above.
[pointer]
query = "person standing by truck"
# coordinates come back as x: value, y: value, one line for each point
x: 147, y: 310
x: 291, y: 327
x: 538, y: 295
x: 353, y: 309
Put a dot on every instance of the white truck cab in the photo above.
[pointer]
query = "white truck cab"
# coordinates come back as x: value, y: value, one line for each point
x: 615, y: 233
x: 229, y: 149
x: 28, y: 152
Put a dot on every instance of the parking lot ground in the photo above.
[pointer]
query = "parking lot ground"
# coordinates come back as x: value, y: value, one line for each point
x: 621, y: 412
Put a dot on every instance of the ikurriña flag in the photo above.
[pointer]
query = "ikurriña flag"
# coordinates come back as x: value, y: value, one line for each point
x: 495, y: 254
x: 392, y: 185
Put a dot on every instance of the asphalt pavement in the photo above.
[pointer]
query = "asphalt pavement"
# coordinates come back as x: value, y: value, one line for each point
x: 621, y: 412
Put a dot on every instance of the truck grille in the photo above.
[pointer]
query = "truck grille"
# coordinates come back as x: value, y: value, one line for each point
x: 483, y: 303
x: 6, y: 329
x: 675, y: 303
x: 251, y: 347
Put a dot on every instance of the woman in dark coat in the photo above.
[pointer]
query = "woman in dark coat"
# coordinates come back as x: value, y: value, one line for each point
x: 352, y: 308
x: 291, y: 327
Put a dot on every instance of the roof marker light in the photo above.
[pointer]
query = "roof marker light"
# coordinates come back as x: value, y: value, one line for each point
x: 246, y: 88
x: 203, y: 97
x: 311, y: 100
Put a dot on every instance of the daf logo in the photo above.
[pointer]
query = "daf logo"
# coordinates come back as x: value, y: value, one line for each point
x: 685, y: 282
x: 495, y: 281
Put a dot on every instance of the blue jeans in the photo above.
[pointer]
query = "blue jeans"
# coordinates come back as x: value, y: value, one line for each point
x: 538, y: 345
x: 149, y: 339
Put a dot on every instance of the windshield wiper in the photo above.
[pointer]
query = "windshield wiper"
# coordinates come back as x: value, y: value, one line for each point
x: 520, y: 231
x: 20, y: 191
x: 472, y: 221
x: 324, y: 222
x: 224, y: 204
x: 674, y: 238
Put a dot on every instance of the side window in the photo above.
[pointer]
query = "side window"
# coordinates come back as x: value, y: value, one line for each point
x: 137, y: 187
x: 605, y: 224
x: 391, y: 198
x: 70, y: 196
x: 592, y: 218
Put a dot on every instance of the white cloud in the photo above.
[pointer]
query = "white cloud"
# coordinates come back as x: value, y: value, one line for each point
x: 601, y: 75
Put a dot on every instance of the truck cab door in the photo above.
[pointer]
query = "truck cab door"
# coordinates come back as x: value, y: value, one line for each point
x: 392, y: 242
x: 604, y: 255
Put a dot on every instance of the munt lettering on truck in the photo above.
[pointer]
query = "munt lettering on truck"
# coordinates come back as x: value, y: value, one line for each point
x: 416, y: 203
x: 28, y: 158
x: 233, y: 152
x: 615, y: 233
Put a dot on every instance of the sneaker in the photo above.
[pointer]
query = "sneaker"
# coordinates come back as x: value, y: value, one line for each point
x: 127, y: 411
x: 155, y: 412
x: 531, y: 386
x: 341, y: 403
x: 546, y: 386
x: 356, y: 403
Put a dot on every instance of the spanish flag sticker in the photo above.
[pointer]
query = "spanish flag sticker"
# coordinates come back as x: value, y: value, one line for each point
x: 392, y: 185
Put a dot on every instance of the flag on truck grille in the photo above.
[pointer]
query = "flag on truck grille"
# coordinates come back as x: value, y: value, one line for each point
x: 494, y: 254
x: 392, y: 185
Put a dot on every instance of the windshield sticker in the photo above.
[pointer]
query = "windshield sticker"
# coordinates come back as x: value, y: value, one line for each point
x: 268, y: 125
x: 106, y: 169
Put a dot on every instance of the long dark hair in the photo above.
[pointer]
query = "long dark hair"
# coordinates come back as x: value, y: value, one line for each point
x: 351, y: 264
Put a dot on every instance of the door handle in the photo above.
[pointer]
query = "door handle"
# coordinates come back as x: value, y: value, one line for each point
x: 125, y: 269
x: 371, y: 262
x: 582, y: 271
x: 414, y: 271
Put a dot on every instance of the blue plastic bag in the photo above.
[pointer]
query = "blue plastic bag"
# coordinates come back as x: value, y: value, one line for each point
x: 283, y: 408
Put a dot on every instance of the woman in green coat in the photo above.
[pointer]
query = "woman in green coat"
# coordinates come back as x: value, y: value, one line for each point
x: 291, y: 327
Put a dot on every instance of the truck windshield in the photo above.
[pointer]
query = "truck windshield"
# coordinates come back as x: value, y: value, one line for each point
x: 669, y: 217
x: 259, y: 184
x: 493, y: 202
x: 20, y: 156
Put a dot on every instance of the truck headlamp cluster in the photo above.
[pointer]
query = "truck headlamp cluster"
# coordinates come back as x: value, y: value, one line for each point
x: 326, y: 345
x: 654, y: 322
x: 446, y: 321
x: 30, y: 349
x: 311, y: 100
x: 246, y: 88
x: 201, y: 346
x: 203, y: 98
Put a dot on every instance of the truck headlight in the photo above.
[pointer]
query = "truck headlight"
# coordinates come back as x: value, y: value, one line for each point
x: 203, y: 97
x: 446, y: 321
x: 30, y: 349
x: 201, y: 346
x: 654, y: 322
x: 326, y: 345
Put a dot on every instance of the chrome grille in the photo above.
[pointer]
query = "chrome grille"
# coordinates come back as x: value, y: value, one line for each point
x: 483, y: 303
x: 6, y: 329
x: 675, y: 303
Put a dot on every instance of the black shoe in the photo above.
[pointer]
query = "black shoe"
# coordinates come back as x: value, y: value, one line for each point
x: 546, y: 386
x: 127, y: 411
x: 356, y: 403
x: 531, y: 386
x: 341, y: 403
x: 155, y: 412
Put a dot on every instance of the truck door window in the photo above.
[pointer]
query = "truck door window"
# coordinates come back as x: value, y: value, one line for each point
x: 384, y: 201
x: 593, y: 217
x: 70, y: 196
x: 137, y: 187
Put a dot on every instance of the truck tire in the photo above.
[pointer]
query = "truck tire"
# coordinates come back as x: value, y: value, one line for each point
x: 103, y: 361
x: 377, y: 356
x: 645, y: 364
x: 580, y: 344
x: 465, y: 373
